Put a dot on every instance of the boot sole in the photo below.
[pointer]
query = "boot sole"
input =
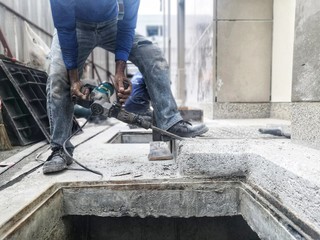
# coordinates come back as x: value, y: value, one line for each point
x: 194, y: 134
x: 53, y: 168
x: 198, y: 133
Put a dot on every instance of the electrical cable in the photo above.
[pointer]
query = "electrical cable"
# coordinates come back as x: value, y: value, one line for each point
x: 68, y: 154
x: 81, y: 127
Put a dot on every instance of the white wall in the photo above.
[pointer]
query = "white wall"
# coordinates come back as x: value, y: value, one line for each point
x: 283, y: 40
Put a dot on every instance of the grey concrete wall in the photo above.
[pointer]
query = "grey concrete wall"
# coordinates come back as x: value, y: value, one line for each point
x: 306, y: 64
x: 168, y: 202
x: 228, y: 54
x: 281, y: 110
x: 244, y: 37
x: 45, y: 223
x: 225, y: 110
x: 305, y: 123
x: 306, y: 72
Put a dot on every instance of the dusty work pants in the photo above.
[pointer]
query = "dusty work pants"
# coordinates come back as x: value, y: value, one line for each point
x: 139, y: 100
x: 145, y: 55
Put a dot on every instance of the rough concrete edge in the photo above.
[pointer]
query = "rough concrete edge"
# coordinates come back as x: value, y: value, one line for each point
x: 180, y: 201
x: 9, y: 225
x: 193, y: 185
x: 281, y: 110
x: 265, y: 202
x: 37, y: 225
x: 230, y: 110
x: 261, y: 220
x: 305, y: 123
x: 22, y: 214
x: 245, y: 155
x: 238, y: 169
x: 284, y: 200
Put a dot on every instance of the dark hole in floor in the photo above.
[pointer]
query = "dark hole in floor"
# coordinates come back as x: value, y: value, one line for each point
x: 134, y: 228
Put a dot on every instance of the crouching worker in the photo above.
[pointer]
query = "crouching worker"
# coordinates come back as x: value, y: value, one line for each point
x: 81, y: 26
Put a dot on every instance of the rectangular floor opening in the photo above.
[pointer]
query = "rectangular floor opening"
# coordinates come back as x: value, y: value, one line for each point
x: 163, y: 228
x: 190, y: 209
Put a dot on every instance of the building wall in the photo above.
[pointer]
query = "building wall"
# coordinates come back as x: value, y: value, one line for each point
x: 282, y: 59
x: 200, y: 44
x: 228, y: 53
x: 244, y: 37
x: 237, y: 51
x: 306, y: 72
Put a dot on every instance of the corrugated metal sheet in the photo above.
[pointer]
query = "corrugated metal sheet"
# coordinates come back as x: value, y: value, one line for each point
x: 12, y: 26
x: 39, y: 13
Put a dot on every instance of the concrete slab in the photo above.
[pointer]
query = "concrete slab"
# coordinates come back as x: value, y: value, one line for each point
x: 284, y: 173
x: 287, y: 172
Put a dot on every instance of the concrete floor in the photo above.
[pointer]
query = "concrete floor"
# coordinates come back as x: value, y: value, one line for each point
x: 286, y: 171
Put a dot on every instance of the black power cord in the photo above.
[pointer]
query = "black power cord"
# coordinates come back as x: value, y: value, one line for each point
x: 68, y: 154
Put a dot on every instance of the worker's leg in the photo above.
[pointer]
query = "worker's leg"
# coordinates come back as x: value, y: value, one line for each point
x: 153, y: 66
x: 59, y: 104
x: 151, y: 63
x: 139, y: 99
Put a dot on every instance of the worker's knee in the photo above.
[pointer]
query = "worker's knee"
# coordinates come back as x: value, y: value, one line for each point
x: 58, y: 86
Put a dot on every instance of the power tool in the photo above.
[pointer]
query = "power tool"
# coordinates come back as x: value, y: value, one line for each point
x: 99, y: 102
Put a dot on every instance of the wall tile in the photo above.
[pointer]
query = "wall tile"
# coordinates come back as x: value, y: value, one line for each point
x: 244, y: 61
x: 244, y: 9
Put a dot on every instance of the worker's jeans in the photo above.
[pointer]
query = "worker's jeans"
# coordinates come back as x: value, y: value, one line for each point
x: 139, y: 100
x: 145, y: 55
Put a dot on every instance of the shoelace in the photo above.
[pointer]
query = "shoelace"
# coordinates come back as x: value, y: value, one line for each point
x: 54, y: 153
x: 183, y: 123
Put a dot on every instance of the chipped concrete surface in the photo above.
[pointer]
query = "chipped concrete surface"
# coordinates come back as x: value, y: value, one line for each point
x: 287, y: 172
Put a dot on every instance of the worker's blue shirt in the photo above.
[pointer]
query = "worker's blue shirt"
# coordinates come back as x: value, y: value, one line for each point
x: 66, y: 12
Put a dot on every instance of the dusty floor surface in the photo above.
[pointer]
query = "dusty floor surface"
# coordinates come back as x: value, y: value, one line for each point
x: 92, y: 142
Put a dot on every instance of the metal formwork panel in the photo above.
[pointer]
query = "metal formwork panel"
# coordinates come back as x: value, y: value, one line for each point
x: 23, y: 91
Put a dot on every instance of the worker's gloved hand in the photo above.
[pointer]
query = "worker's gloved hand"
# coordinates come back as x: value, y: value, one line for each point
x: 76, y: 86
x: 122, y: 85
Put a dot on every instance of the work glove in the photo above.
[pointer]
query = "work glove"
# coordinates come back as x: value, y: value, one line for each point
x: 122, y: 84
x: 76, y: 87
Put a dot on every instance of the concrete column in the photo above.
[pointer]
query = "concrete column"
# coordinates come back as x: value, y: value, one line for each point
x: 181, y: 51
x: 306, y: 73
x: 282, y: 52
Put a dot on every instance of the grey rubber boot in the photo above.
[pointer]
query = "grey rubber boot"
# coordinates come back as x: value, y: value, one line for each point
x: 57, y: 161
x: 187, y: 130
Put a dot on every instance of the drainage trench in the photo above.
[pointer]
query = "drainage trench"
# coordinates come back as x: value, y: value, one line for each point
x: 147, y: 210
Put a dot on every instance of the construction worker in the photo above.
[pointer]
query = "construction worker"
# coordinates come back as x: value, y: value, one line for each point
x: 82, y: 25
